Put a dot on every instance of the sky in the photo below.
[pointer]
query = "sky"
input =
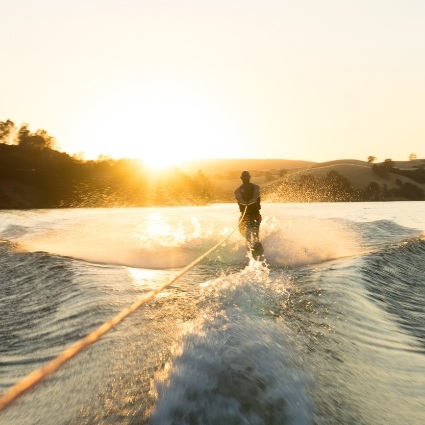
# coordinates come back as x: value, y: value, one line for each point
x: 173, y: 80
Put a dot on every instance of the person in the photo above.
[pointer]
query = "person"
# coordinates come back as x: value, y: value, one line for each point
x: 248, y: 197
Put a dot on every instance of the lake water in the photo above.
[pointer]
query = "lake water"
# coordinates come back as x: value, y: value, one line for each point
x: 330, y: 329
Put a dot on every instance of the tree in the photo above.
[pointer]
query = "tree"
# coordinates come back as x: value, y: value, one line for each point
x: 412, y: 156
x: 6, y: 130
x: 23, y: 134
x: 388, y: 163
x: 383, y: 168
x: 36, y: 141
x: 371, y: 159
x: 48, y: 141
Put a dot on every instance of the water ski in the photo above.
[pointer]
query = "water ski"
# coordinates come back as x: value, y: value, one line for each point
x: 257, y: 251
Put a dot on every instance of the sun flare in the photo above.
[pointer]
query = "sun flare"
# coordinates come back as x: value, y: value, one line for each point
x: 161, y: 127
x: 159, y: 162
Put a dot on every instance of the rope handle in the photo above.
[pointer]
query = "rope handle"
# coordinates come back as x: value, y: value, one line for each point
x: 246, y: 205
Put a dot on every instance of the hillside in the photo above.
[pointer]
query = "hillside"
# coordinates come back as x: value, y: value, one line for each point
x: 233, y: 167
x: 360, y: 175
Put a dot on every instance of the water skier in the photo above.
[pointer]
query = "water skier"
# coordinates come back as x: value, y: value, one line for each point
x: 248, y: 197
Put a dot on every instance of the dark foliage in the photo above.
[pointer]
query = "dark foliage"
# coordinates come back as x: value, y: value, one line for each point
x: 29, y: 159
x: 418, y: 175
x: 384, y: 168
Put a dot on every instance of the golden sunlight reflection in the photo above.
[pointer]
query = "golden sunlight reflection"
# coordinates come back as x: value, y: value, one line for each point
x: 143, y: 277
x: 149, y: 279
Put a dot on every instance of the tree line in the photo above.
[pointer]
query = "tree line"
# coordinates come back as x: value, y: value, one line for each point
x: 59, y: 180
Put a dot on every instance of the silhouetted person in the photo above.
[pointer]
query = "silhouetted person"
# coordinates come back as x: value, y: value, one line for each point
x: 248, y: 197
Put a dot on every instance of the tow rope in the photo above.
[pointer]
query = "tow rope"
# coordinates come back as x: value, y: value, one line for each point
x: 38, y: 375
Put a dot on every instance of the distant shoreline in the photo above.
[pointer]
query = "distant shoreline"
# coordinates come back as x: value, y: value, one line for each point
x: 273, y: 175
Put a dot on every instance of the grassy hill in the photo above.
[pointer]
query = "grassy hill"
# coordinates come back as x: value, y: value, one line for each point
x: 233, y: 167
x: 399, y: 183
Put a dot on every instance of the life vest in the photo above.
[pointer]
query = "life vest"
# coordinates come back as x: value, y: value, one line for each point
x: 247, y: 192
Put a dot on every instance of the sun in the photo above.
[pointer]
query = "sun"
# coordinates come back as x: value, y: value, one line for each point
x: 161, y: 126
x: 158, y: 161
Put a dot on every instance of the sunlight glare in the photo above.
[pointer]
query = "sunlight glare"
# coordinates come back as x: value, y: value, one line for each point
x: 161, y: 127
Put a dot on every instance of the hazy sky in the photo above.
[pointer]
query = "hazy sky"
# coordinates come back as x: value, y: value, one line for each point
x: 179, y: 79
